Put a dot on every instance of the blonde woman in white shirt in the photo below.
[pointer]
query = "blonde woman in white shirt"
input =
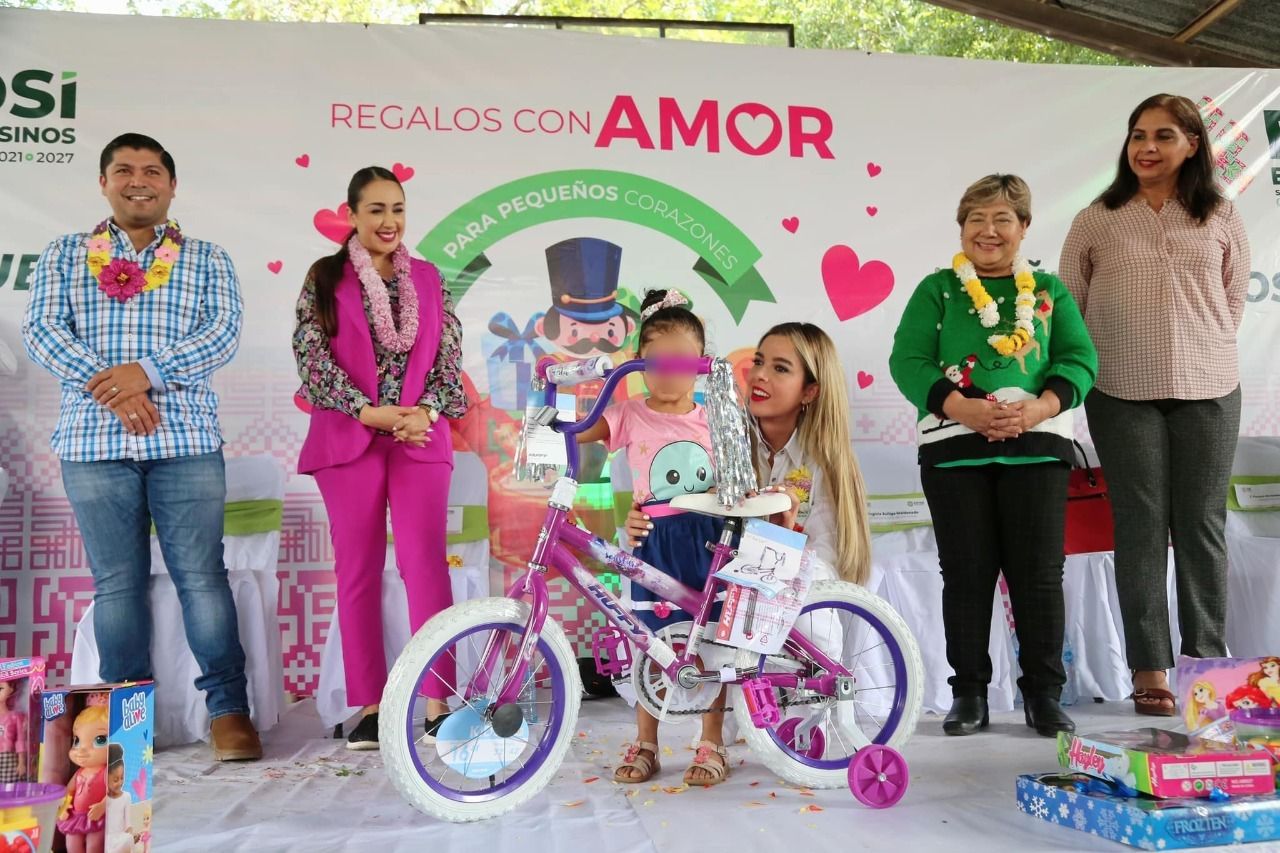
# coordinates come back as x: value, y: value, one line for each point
x: 798, y: 403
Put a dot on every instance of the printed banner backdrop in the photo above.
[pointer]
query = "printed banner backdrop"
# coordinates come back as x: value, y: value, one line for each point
x: 768, y: 184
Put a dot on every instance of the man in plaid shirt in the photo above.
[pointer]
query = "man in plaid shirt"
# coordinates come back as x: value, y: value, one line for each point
x: 133, y: 318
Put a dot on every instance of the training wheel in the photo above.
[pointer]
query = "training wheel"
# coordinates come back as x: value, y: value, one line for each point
x: 817, y: 742
x: 878, y: 776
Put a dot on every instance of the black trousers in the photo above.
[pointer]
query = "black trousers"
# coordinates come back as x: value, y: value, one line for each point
x: 989, y: 519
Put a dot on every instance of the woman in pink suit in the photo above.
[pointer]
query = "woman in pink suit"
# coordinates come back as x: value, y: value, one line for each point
x: 379, y: 351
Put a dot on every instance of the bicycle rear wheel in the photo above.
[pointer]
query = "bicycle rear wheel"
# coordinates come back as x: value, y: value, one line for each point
x: 817, y: 736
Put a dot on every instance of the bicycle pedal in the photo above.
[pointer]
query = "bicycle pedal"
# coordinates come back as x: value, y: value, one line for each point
x: 612, y: 652
x: 762, y: 704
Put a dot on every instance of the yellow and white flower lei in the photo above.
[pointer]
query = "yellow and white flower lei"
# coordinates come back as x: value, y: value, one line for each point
x: 988, y: 310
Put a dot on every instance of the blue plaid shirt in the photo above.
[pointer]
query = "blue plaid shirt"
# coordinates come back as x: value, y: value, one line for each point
x: 180, y: 333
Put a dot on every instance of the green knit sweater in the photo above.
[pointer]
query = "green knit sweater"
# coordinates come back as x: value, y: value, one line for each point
x: 941, y: 347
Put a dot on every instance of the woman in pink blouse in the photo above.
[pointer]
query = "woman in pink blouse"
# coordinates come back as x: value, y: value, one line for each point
x: 1159, y: 265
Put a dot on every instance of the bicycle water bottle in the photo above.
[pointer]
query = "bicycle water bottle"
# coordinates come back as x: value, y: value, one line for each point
x: 526, y: 703
x: 1069, y: 695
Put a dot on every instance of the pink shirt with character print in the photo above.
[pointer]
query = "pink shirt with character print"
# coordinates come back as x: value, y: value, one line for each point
x: 669, y: 455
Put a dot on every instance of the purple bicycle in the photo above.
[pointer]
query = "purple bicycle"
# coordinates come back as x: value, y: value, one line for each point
x: 824, y: 712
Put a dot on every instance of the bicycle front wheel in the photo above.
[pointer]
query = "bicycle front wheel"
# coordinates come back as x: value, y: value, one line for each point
x: 466, y: 771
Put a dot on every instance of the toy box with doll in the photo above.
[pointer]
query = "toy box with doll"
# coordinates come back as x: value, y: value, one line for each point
x: 1082, y: 802
x: 1209, y: 689
x: 21, y: 682
x: 1168, y: 764
x: 97, y: 741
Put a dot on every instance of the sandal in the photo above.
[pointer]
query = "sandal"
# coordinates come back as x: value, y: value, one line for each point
x: 718, y: 770
x: 635, y: 759
x: 1150, y: 702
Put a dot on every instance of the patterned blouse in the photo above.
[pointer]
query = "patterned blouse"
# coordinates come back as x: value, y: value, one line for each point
x: 1162, y: 296
x: 325, y: 385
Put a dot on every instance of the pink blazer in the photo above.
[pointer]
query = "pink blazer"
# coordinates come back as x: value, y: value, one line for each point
x: 335, y: 438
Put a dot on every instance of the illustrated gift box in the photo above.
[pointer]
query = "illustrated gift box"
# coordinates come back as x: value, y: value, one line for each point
x: 510, y: 355
x: 1145, y: 822
x: 125, y: 715
x: 1168, y: 764
x: 20, y: 718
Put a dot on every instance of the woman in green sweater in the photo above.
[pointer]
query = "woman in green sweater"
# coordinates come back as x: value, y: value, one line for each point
x: 995, y: 355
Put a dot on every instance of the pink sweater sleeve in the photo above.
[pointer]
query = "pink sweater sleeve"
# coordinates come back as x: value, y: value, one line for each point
x: 13, y: 732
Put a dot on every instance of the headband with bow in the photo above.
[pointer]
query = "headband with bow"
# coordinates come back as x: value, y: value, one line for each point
x: 672, y: 299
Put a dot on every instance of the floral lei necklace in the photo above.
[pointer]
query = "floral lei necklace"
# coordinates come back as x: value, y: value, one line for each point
x: 988, y: 310
x: 380, y: 303
x: 120, y: 278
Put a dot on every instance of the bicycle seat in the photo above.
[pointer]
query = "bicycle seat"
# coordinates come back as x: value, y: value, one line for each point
x: 759, y: 506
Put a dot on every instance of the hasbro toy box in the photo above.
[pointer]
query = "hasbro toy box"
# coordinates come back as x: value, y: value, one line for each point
x: 97, y: 742
x: 1168, y: 764
x: 1070, y: 800
x: 21, y: 682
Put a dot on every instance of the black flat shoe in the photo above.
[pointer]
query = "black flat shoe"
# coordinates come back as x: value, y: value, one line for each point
x: 1046, y: 716
x: 365, y: 735
x: 432, y: 728
x: 968, y: 714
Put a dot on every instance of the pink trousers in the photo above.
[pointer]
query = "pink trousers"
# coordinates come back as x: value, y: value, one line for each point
x: 356, y: 496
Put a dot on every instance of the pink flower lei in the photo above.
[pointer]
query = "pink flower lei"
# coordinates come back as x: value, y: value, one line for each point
x: 380, y: 303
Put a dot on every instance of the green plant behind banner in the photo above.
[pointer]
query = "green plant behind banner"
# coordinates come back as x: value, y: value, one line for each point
x: 880, y: 26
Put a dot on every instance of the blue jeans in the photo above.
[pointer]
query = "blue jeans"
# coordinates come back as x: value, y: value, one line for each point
x: 115, y: 503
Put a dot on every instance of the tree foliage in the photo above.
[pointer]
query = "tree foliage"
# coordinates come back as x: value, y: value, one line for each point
x: 882, y: 26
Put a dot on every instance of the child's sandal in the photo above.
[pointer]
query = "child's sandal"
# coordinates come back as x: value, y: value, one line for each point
x: 635, y: 759
x: 714, y: 771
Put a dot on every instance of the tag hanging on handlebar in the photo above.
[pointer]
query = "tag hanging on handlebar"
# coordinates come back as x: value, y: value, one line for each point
x: 524, y: 470
x: 735, y: 469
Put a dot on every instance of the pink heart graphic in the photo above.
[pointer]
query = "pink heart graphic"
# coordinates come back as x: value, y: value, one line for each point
x: 873, y: 169
x: 402, y: 172
x: 872, y: 210
x: 303, y: 160
x: 275, y: 266
x: 865, y: 379
x: 853, y: 287
x: 791, y: 223
x: 333, y: 223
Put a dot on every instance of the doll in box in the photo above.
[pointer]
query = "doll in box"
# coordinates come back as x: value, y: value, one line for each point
x: 13, y: 734
x: 1267, y: 679
x: 83, y: 818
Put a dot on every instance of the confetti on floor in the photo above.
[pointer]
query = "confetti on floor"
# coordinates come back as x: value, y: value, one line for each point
x: 810, y: 809
x: 573, y: 804
x: 676, y: 789
x: 753, y: 784
x: 590, y: 779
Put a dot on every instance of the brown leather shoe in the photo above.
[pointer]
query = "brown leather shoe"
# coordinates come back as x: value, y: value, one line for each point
x: 233, y: 738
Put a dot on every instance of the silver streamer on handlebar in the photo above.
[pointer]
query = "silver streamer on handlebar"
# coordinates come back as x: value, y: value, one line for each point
x: 727, y: 418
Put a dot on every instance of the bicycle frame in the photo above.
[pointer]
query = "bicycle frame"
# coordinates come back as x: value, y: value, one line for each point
x: 559, y: 539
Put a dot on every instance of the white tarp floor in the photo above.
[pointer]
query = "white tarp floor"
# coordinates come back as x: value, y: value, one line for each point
x: 312, y: 794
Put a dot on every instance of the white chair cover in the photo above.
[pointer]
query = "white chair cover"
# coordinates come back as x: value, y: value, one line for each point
x: 469, y: 506
x: 181, y: 716
x: 1253, y: 557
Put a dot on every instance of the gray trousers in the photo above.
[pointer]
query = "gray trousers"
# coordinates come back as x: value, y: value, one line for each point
x: 1168, y: 467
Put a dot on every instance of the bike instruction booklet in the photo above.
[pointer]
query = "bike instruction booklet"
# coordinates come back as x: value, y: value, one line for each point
x: 775, y: 572
x: 768, y: 557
